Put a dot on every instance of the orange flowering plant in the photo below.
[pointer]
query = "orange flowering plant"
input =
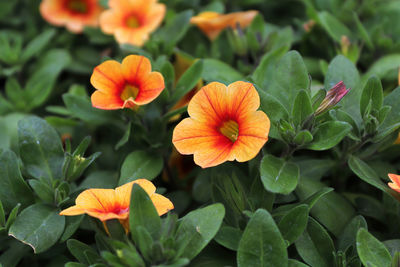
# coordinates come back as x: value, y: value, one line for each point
x: 199, y: 133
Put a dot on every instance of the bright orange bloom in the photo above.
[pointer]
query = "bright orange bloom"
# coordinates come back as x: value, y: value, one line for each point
x: 74, y: 14
x: 132, y: 21
x: 395, y: 185
x: 107, y: 204
x: 224, y: 124
x: 212, y: 23
x: 125, y: 85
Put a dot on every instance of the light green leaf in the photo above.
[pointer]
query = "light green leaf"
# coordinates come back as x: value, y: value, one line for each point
x: 215, y: 70
x: 371, y: 251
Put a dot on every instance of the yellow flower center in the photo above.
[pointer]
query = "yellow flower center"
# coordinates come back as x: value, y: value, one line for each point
x: 129, y: 92
x: 230, y: 129
x: 132, y: 22
x: 78, y: 6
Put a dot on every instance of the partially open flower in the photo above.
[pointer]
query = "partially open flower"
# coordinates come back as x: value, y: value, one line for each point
x: 74, y: 14
x: 107, y: 204
x: 224, y: 125
x: 334, y: 95
x: 125, y: 85
x: 395, y: 185
x: 212, y: 23
x: 132, y: 21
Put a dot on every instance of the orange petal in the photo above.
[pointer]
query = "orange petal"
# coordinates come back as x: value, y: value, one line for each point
x: 110, y: 20
x: 209, y: 147
x: 74, y: 210
x: 123, y: 192
x: 253, y: 134
x: 154, y: 17
x: 209, y: 105
x: 106, y: 101
x: 395, y: 178
x: 96, y: 199
x: 107, y: 77
x: 133, y: 36
x: 104, y: 216
x: 162, y: 204
x: 242, y: 99
x: 151, y: 87
x: 135, y: 67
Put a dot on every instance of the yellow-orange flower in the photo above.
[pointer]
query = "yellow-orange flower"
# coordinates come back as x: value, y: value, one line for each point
x: 395, y: 185
x: 224, y: 124
x: 73, y: 14
x: 212, y: 23
x: 132, y: 21
x: 125, y: 85
x: 107, y: 204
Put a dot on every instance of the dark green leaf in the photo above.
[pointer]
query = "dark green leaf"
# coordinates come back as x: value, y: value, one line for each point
x: 37, y: 44
x: 40, y: 149
x: 371, y: 251
x: 140, y: 164
x: 229, y: 237
x: 329, y: 134
x: 333, y: 26
x: 294, y: 223
x: 277, y: 175
x: 372, y: 93
x: 79, y: 249
x: 262, y: 243
x: 188, y: 81
x: 215, y: 70
x: 38, y: 226
x: 348, y: 237
x: 302, y: 108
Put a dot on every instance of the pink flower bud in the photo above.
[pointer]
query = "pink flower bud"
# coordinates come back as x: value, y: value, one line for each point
x: 334, y: 95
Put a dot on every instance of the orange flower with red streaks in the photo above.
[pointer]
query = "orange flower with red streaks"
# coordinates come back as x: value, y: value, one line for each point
x: 107, y: 204
x: 212, y: 23
x: 125, y: 85
x: 224, y: 125
x: 395, y: 185
x: 132, y: 21
x: 73, y: 14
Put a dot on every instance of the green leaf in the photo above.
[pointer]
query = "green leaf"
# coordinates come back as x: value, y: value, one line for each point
x: 42, y: 190
x: 334, y: 27
x: 188, y: 81
x: 302, y: 108
x: 373, y: 92
x: 390, y: 124
x: 40, y: 149
x: 363, y: 32
x: 72, y: 224
x: 371, y: 251
x: 14, y: 92
x: 277, y: 175
x: 229, y: 237
x: 13, y: 188
x: 295, y: 263
x: 264, y: 73
x: 290, y: 77
x: 140, y: 164
x: 348, y: 237
x: 125, y: 138
x: 197, y: 229
x: 37, y: 44
x: 143, y: 213
x: 293, y: 224
x: 366, y: 173
x: 12, y: 216
x: 329, y: 134
x: 79, y: 250
x: 315, y: 246
x: 215, y: 70
x: 262, y: 243
x: 40, y: 85
x: 384, y: 65
x: 38, y: 226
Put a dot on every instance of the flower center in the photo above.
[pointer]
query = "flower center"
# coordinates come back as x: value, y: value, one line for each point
x: 78, y: 6
x: 230, y: 129
x: 129, y: 92
x: 132, y: 22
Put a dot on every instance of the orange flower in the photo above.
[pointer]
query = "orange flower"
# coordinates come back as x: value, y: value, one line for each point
x: 74, y: 14
x: 132, y: 21
x: 396, y: 182
x: 224, y: 124
x: 212, y: 23
x: 107, y: 204
x: 125, y: 85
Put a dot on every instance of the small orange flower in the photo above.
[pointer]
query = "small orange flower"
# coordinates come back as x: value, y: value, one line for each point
x: 132, y: 21
x: 107, y: 204
x: 224, y: 124
x: 212, y: 23
x: 74, y: 14
x: 395, y: 185
x: 125, y: 85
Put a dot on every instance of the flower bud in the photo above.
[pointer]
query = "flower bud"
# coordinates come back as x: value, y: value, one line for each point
x: 334, y: 95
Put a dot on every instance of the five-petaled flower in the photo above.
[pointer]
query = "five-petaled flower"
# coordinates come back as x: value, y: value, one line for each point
x: 74, y: 14
x: 212, y: 23
x: 395, y: 185
x: 107, y: 204
x: 334, y: 95
x: 125, y: 85
x: 224, y: 124
x: 132, y: 21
